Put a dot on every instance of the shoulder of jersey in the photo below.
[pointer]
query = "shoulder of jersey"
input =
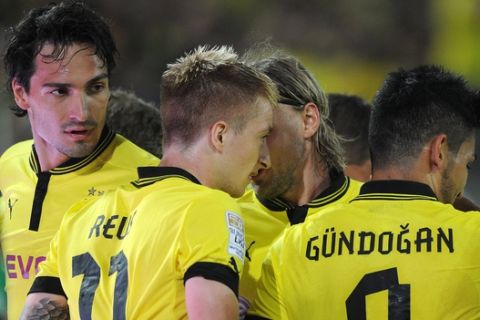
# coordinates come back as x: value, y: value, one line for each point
x: 128, y: 154
x: 355, y: 185
x: 248, y: 196
x: 213, y: 197
x: 21, y: 149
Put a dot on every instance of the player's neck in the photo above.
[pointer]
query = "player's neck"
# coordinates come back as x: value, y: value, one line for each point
x: 48, y: 156
x: 314, y: 179
x: 399, y: 173
x: 188, y: 159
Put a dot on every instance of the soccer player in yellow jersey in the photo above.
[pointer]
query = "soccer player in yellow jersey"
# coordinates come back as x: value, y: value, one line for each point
x: 399, y: 250
x: 306, y: 175
x: 58, y: 62
x: 171, y: 245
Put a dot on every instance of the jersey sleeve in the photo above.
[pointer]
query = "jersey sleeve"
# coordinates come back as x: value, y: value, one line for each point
x: 48, y: 280
x: 212, y: 243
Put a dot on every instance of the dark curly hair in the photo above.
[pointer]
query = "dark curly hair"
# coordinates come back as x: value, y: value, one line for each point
x: 60, y: 25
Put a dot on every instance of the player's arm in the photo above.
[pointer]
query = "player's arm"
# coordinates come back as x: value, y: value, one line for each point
x: 46, y: 298
x: 210, y: 257
x: 210, y: 299
x: 42, y: 305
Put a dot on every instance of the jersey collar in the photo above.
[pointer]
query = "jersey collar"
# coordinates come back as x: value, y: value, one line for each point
x: 149, y: 175
x: 395, y: 190
x: 74, y: 164
x: 337, y: 189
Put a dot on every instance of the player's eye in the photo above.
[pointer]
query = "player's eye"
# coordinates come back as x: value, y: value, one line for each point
x: 59, y: 92
x: 97, y: 87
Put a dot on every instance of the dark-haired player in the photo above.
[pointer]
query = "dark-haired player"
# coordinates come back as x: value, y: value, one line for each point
x: 58, y: 61
x: 399, y: 250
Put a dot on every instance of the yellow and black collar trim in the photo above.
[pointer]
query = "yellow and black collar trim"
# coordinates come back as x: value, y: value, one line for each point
x: 150, y: 175
x: 395, y: 190
x: 74, y: 164
x: 337, y: 189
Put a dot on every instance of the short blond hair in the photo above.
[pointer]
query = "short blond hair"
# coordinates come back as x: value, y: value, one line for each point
x: 206, y: 85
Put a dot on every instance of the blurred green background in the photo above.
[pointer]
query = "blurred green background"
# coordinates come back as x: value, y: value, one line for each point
x: 349, y: 45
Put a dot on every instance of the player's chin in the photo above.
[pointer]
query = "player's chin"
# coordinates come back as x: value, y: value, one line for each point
x: 80, y: 149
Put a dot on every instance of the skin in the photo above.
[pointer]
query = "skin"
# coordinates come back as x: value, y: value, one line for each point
x: 223, y: 158
x: 246, y: 153
x: 287, y: 153
x: 45, y: 306
x: 454, y: 178
x: 209, y: 299
x: 297, y: 173
x: 359, y: 172
x: 445, y: 172
x: 66, y: 103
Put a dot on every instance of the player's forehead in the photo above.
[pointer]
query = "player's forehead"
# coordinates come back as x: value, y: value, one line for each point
x: 76, y: 62
x: 263, y: 115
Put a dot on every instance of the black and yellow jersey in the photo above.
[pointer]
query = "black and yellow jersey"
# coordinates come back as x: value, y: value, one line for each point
x: 34, y: 202
x: 128, y: 254
x: 394, y: 252
x: 265, y: 220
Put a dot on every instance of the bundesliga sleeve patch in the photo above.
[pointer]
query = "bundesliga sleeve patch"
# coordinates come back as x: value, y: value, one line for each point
x: 236, y: 243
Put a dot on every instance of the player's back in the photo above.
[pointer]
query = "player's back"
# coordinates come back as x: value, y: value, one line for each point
x: 128, y: 252
x: 381, y: 256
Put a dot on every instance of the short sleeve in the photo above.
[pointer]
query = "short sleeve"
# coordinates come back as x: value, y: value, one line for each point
x: 48, y: 279
x: 212, y: 240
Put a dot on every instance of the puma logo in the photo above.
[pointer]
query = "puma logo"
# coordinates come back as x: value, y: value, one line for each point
x: 11, y: 204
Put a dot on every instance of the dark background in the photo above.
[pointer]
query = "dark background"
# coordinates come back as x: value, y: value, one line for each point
x: 349, y: 45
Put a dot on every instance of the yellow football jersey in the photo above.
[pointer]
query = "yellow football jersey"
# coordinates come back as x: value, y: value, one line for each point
x: 35, y: 202
x: 394, y: 252
x: 265, y: 220
x: 128, y: 254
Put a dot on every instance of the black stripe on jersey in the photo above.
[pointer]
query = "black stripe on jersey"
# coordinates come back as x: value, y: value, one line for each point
x: 214, y: 271
x: 395, y: 190
x: 297, y: 215
x: 150, y: 175
x: 252, y: 317
x: 48, y: 285
x: 40, y: 193
x: 337, y: 189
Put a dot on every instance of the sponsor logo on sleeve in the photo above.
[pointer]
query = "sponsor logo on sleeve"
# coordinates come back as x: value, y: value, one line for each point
x: 236, y: 243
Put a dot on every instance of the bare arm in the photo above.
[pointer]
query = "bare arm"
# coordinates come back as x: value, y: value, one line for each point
x: 45, y: 306
x: 209, y: 299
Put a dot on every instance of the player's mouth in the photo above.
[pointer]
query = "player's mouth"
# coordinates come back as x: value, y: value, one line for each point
x: 78, y: 134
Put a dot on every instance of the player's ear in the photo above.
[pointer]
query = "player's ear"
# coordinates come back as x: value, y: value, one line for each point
x: 311, y: 119
x: 438, y: 152
x: 218, y: 134
x: 20, y: 94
